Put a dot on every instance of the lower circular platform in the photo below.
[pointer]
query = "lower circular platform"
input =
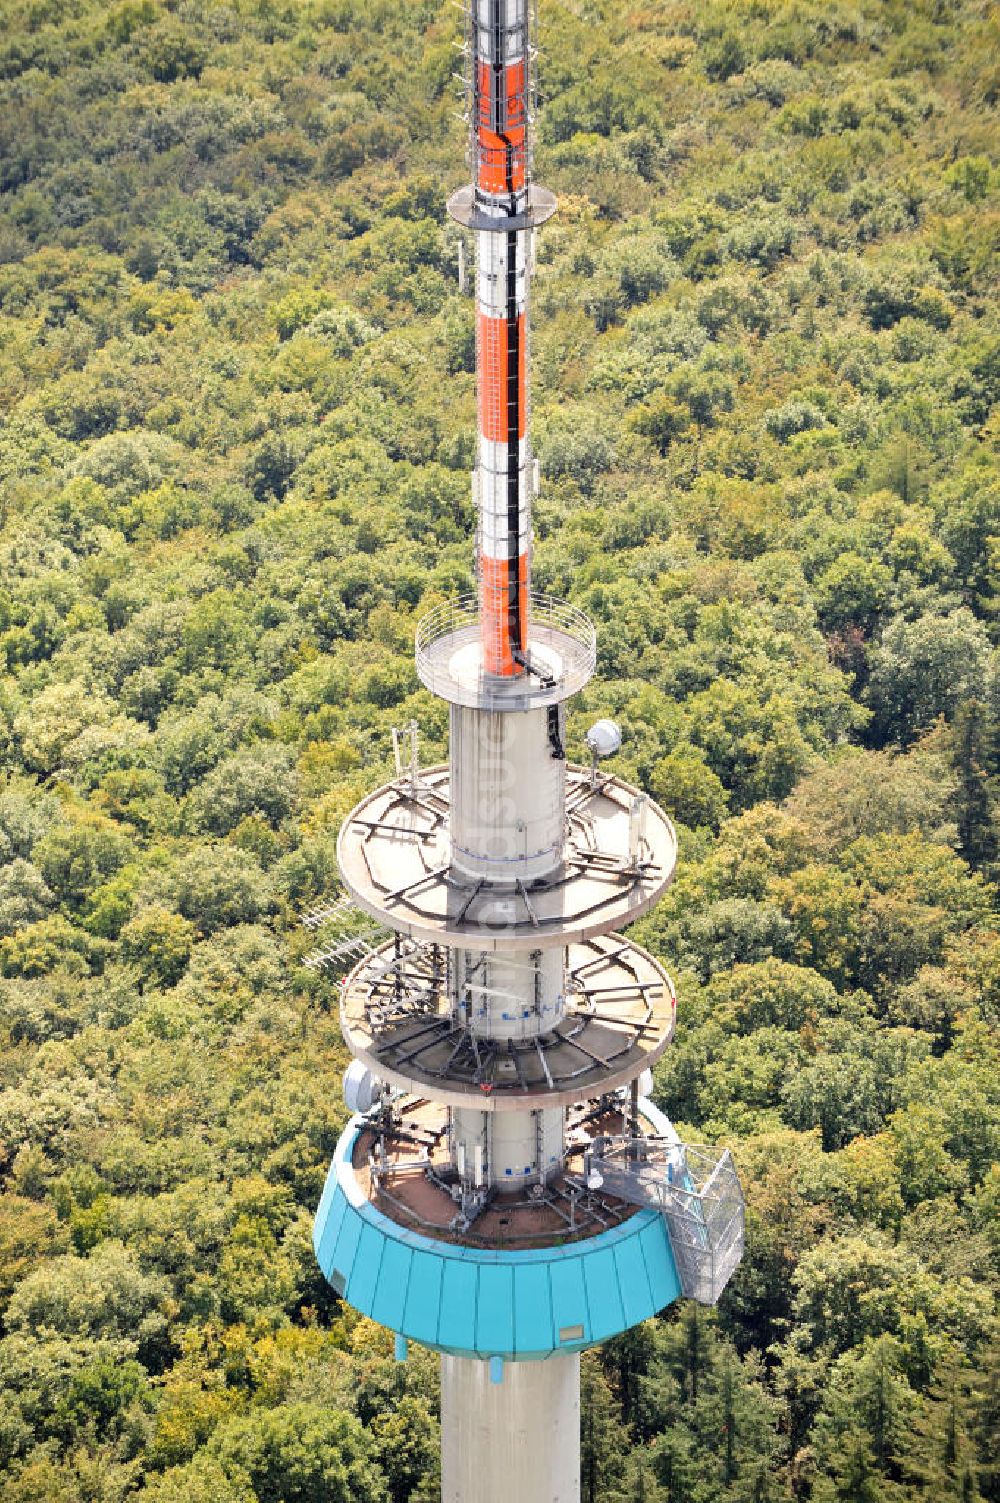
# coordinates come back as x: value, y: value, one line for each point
x: 515, y: 1303
x: 396, y: 1016
x: 395, y: 861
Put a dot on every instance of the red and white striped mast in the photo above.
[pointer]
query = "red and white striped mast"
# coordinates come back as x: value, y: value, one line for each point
x: 502, y: 207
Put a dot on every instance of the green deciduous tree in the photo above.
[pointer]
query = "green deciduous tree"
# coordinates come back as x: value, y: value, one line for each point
x: 300, y: 1453
x: 925, y: 668
x: 106, y: 1295
x: 159, y: 943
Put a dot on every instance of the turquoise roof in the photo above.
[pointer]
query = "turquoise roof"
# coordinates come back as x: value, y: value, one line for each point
x: 472, y: 1301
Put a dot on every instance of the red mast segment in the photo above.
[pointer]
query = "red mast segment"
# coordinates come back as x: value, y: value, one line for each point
x: 500, y: 149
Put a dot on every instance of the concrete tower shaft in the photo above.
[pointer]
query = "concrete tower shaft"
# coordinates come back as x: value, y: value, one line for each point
x: 506, y: 997
x: 508, y: 793
x: 525, y: 1432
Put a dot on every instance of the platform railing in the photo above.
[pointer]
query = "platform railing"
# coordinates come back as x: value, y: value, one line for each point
x: 552, y: 624
x: 698, y: 1193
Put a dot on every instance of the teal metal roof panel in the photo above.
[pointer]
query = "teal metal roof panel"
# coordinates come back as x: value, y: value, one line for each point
x: 422, y: 1314
x: 391, y: 1289
x: 328, y: 1229
x: 476, y: 1302
x: 532, y: 1309
x: 495, y: 1309
x: 633, y: 1282
x: 326, y: 1200
x: 457, y: 1316
x: 569, y: 1301
x: 664, y: 1285
x: 367, y: 1262
x: 345, y: 1251
x: 604, y: 1302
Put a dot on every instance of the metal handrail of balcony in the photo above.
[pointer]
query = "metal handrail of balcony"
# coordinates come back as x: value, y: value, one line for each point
x: 561, y: 654
x: 698, y: 1193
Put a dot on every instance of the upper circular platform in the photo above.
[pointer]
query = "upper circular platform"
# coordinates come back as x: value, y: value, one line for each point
x: 463, y: 207
x: 396, y: 1017
x: 562, y: 651
x: 395, y: 861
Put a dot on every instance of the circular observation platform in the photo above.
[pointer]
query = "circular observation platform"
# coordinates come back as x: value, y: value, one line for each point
x: 561, y: 653
x: 396, y: 1017
x: 506, y: 1287
x: 394, y: 856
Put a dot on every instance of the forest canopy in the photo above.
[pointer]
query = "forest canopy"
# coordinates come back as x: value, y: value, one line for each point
x: 237, y: 419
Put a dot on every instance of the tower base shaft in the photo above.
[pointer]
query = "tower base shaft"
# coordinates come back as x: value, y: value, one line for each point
x: 512, y: 1442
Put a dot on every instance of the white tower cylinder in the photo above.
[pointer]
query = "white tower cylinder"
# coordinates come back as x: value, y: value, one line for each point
x: 517, y: 1441
x: 502, y: 996
x: 508, y: 795
x: 517, y: 1148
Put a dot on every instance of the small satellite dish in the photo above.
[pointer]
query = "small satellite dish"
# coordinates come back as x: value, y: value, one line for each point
x: 594, y: 1180
x: 362, y: 1088
x: 604, y: 738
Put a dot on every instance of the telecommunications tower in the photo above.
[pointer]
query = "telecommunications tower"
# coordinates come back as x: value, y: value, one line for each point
x: 505, y: 1192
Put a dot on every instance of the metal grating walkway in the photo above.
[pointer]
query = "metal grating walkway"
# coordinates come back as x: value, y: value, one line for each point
x: 698, y: 1193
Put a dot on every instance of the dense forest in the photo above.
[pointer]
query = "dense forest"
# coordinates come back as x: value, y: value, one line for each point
x: 237, y: 417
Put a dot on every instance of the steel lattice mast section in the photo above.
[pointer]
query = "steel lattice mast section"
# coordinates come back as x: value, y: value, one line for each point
x: 505, y: 1193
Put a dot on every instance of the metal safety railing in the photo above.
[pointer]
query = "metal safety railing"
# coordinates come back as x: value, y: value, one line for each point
x: 564, y: 636
x: 699, y: 1195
